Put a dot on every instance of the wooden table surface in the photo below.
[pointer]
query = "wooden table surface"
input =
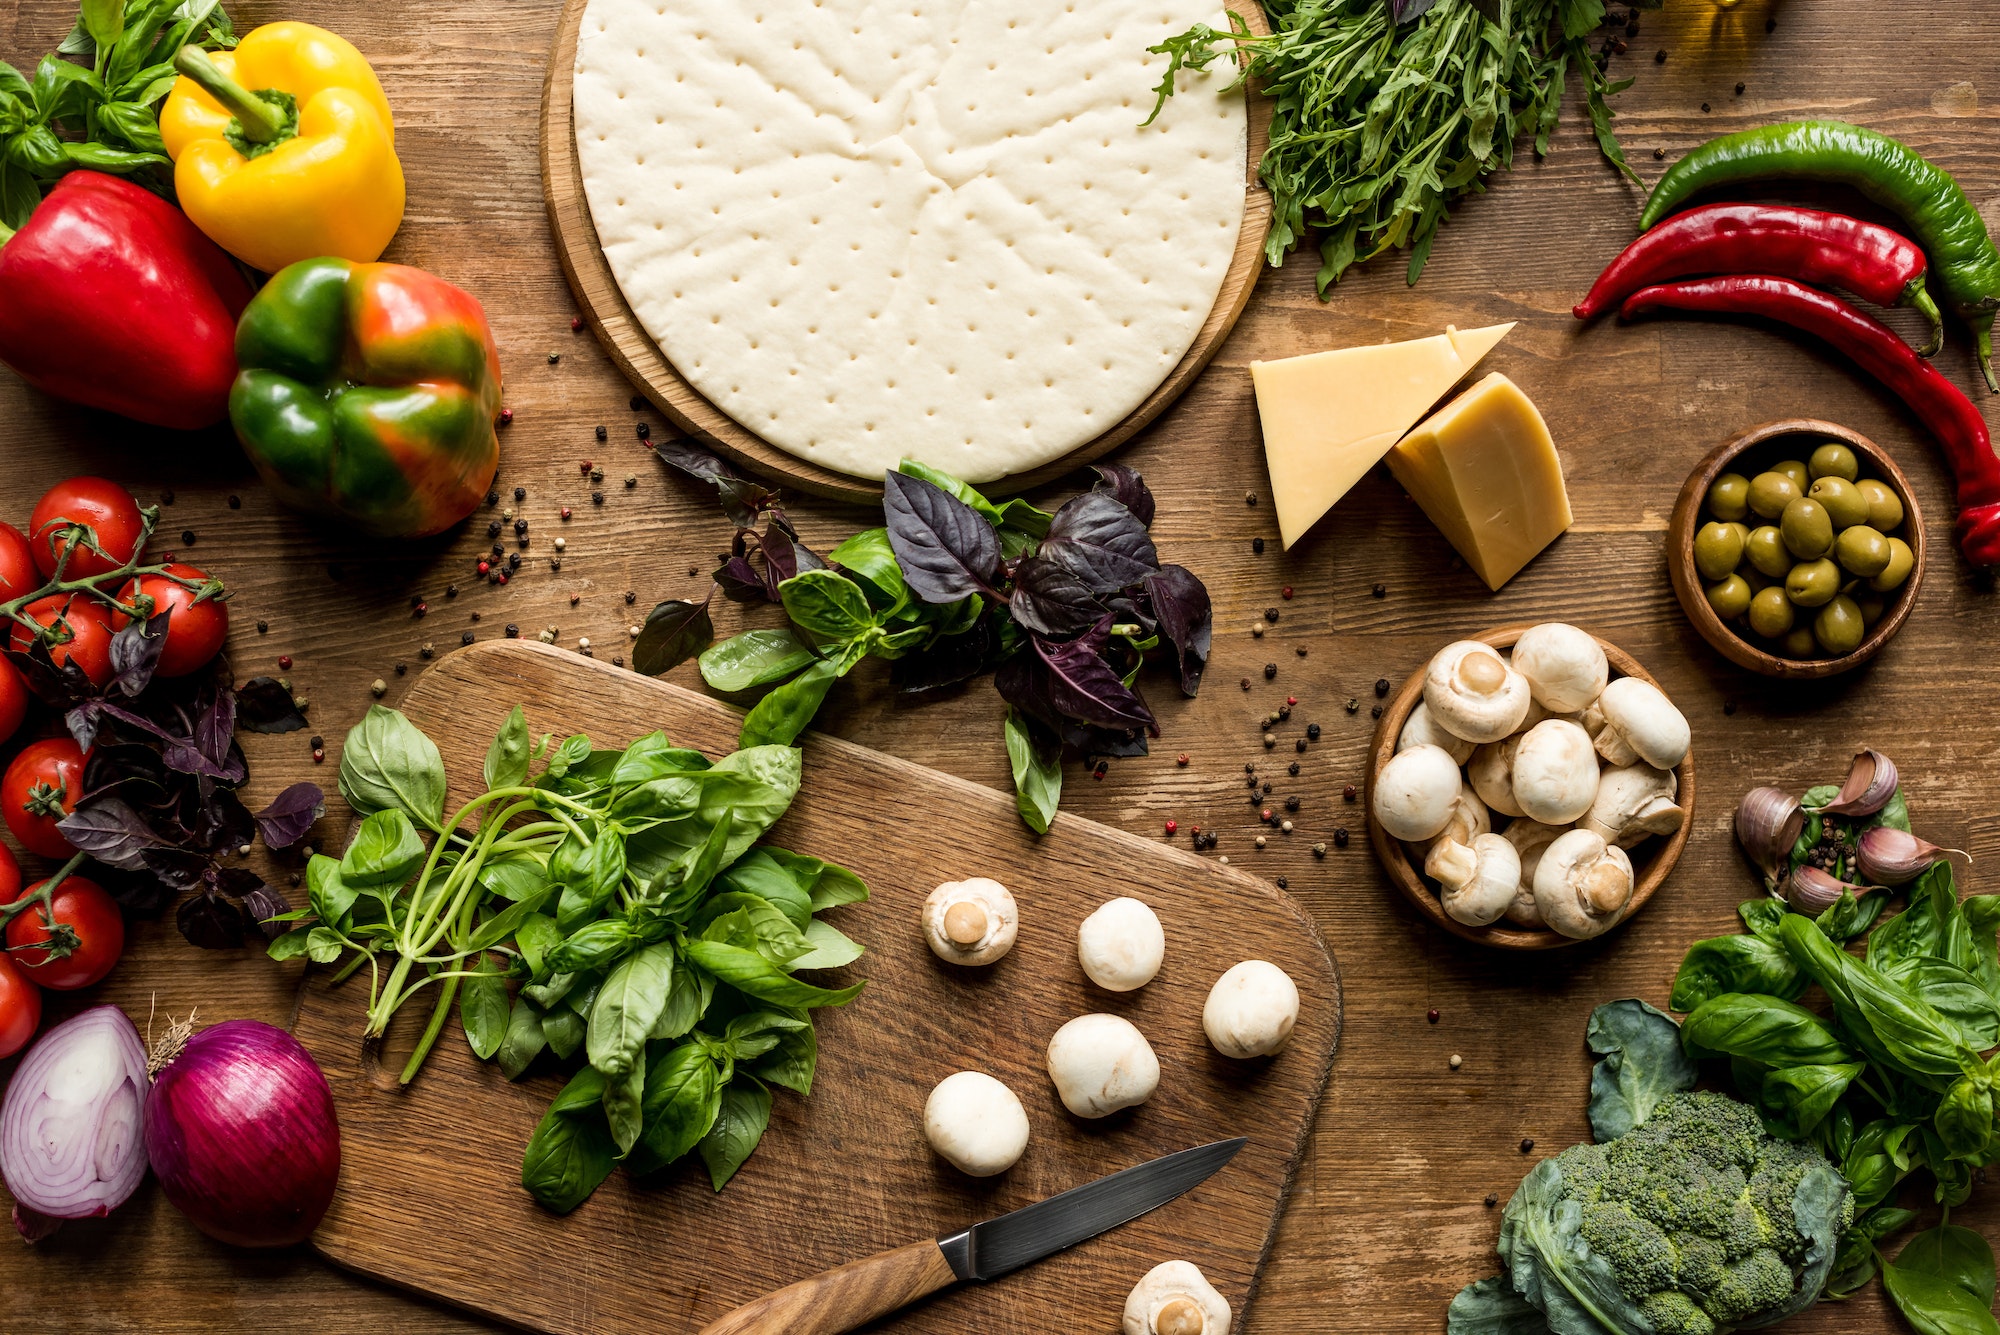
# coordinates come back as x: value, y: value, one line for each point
x: 1387, y: 1220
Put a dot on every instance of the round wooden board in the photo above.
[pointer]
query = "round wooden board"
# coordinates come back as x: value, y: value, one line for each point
x: 642, y: 361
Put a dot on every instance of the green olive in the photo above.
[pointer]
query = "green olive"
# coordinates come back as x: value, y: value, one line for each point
x: 1807, y: 529
x: 1796, y: 471
x: 1717, y: 549
x: 1843, y: 501
x: 1771, y: 613
x: 1871, y: 609
x: 1771, y: 492
x: 1839, y: 626
x: 1885, y: 508
x: 1861, y: 551
x: 1765, y: 551
x: 1730, y: 597
x: 1813, y: 583
x: 1757, y: 579
x: 1799, y: 643
x: 1834, y: 459
x: 1729, y: 496
x: 1892, y: 575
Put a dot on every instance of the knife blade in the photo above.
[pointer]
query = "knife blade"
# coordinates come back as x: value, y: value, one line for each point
x: 852, y: 1295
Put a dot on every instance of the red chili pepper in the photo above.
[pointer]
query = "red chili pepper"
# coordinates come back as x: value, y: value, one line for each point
x: 110, y: 297
x: 1951, y: 417
x: 1824, y: 249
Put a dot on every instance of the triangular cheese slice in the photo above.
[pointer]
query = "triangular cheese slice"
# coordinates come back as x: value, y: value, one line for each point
x: 1329, y: 417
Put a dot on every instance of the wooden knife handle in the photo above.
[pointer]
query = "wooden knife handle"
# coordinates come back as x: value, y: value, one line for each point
x: 844, y: 1298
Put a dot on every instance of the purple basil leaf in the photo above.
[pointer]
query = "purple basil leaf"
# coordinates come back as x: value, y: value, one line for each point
x: 178, y: 753
x: 946, y: 550
x: 740, y: 582
x: 135, y: 652
x: 1101, y: 542
x: 1180, y: 601
x: 1128, y: 611
x: 674, y: 632
x: 1125, y: 486
x: 946, y: 662
x: 211, y: 922
x: 264, y: 705
x: 1051, y: 600
x: 215, y: 730
x: 235, y: 882
x: 263, y: 904
x: 222, y: 824
x: 742, y: 500
x: 58, y: 687
x: 118, y: 766
x: 1402, y: 11
x: 696, y: 463
x: 1104, y: 743
x: 110, y: 831
x: 1084, y: 687
x: 291, y: 814
x: 180, y: 868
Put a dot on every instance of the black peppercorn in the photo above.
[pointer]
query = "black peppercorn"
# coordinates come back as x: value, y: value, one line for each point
x: 520, y: 493
x: 493, y: 529
x: 513, y: 560
x: 451, y: 590
x: 1283, y: 884
x: 1249, y: 769
x: 1265, y: 786
x: 263, y: 628
x: 1312, y: 731
x: 1246, y: 683
x: 644, y: 430
x: 1729, y: 706
x: 1292, y: 803
x: 1660, y: 57
x: 1299, y: 745
x: 1739, y: 90
x: 466, y: 638
x: 1527, y: 1144
x: 602, y: 434
x: 1340, y: 837
x: 1375, y: 712
x: 402, y: 668
x: 1249, y: 498
x: 318, y: 742
x: 636, y: 404
x: 1270, y: 671
x: 513, y: 631
x: 187, y: 537
x: 1381, y: 590
x: 597, y: 498
x: 1659, y: 155
x: 1381, y: 686
x: 1293, y: 769
x: 1491, y: 1200
x: 493, y: 498
x: 236, y: 502
x: 520, y: 526
x: 1704, y: 106
x: 1770, y: 25
x: 1270, y: 614
x: 1257, y: 546
x: 1352, y: 705
x: 166, y: 498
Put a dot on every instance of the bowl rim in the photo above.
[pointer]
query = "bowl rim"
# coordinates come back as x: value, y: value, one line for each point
x: 1687, y: 582
x: 1395, y: 859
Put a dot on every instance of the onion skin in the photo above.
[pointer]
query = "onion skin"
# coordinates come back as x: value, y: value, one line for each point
x: 93, y: 1172
x: 241, y: 1131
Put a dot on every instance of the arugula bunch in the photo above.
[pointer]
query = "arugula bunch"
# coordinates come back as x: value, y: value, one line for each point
x: 1064, y: 608
x: 619, y: 890
x: 104, y: 114
x: 1387, y: 111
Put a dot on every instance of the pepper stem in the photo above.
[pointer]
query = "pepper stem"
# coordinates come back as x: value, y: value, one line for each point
x: 6, y: 234
x: 260, y: 121
x: 1982, y: 334
x: 1917, y: 298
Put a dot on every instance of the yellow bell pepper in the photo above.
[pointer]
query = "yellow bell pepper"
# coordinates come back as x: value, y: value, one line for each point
x: 284, y: 149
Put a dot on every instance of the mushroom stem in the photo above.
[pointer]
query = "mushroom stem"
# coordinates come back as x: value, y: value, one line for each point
x: 965, y: 922
x: 1182, y: 1316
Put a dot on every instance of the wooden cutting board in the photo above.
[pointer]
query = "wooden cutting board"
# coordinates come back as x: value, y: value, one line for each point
x: 429, y: 1189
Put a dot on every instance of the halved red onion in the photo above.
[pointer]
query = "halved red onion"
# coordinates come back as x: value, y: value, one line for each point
x: 70, y: 1140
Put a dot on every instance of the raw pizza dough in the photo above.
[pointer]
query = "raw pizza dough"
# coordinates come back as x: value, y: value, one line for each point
x: 872, y: 229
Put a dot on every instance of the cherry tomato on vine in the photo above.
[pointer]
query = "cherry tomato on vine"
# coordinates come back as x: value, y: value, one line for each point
x: 88, y: 914
x: 104, y: 505
x: 18, y: 575
x: 89, y: 632
x: 10, y: 876
x: 195, y: 632
x: 39, y: 789
x: 13, y: 700
x: 20, y: 1008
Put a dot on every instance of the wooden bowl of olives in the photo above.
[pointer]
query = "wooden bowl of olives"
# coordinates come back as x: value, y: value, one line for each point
x: 1796, y: 548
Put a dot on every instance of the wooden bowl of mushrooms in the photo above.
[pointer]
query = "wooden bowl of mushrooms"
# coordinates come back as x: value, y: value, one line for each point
x: 1530, y: 787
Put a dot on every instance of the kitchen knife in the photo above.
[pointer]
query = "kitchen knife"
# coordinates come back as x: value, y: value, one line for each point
x: 852, y: 1295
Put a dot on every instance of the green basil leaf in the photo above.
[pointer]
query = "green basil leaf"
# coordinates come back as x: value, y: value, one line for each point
x: 761, y: 926
x: 827, y: 604
x: 654, y: 757
x: 687, y: 1001
x: 571, y: 1151
x: 330, y: 896
x: 39, y: 150
x: 1796, y: 1099
x: 13, y: 84
x: 483, y: 1011
x: 514, y: 876
x: 682, y: 1099
x: 1964, y: 1120
x: 754, y: 658
x: 137, y: 125
x: 1951, y: 1253
x: 507, y: 922
x: 626, y: 1008
x: 1870, y: 1166
x: 1921, y: 927
x: 1848, y: 917
x: 964, y: 492
x: 1764, y: 1029
x: 1748, y: 964
x: 1037, y: 773
x: 574, y: 750
x: 750, y: 973
x: 1761, y: 917
x: 1908, y: 1032
x: 595, y: 945
x: 624, y: 1097
x: 563, y: 1028
x: 740, y: 1121
x: 792, y: 1063
x: 18, y: 195
x: 388, y: 764
x: 507, y: 757
x: 386, y: 851
x: 829, y: 948
x: 754, y: 1033
x: 760, y: 874
x: 870, y: 562
x: 323, y: 945
x: 778, y: 718
x: 551, y: 990
x: 1643, y: 1063
x: 1935, y: 1306
x: 536, y: 935
x: 1955, y: 994
x: 291, y: 945
x: 523, y: 1041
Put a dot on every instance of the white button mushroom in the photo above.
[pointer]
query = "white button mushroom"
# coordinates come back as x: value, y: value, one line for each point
x: 1416, y: 792
x: 1640, y: 723
x: 970, y: 922
x: 1102, y: 1063
x: 1530, y: 839
x: 1472, y: 693
x: 1175, y: 1298
x: 1634, y: 802
x: 1421, y: 730
x: 1565, y: 667
x: 1555, y: 772
x: 1251, y: 1010
x: 976, y: 1124
x: 1491, y: 773
x: 1582, y: 884
x: 1448, y: 857
x: 1479, y: 887
x: 1121, y: 945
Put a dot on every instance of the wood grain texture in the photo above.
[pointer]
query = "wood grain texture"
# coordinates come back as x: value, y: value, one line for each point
x: 846, y: 1172
x: 845, y: 1297
x: 1387, y: 1217
x: 629, y: 345
x: 1652, y: 862
x: 1748, y: 453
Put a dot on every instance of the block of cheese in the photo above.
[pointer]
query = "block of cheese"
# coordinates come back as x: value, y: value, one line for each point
x: 1329, y: 417
x: 1485, y: 471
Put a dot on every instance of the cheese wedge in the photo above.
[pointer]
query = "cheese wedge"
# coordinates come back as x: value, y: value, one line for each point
x: 1329, y: 417
x: 1485, y: 471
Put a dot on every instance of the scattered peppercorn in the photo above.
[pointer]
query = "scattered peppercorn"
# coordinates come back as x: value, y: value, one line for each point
x: 554, y: 357
x: 263, y: 628
x: 493, y: 498
x: 1292, y: 803
x: 1172, y: 826
x: 1770, y: 25
x: 1257, y: 629
x: 493, y: 529
x: 319, y: 758
x: 1312, y: 731
x: 1432, y: 1016
x: 1348, y: 793
x: 631, y: 481
x: 513, y: 560
x: 1270, y: 614
x: 1491, y: 1200
x: 1319, y: 850
x: 1729, y: 706
x: 236, y: 502
x: 1340, y: 837
x: 1249, y: 498
x: 1381, y: 590
x: 166, y: 498
x: 1286, y: 593
x: 513, y: 631
x: 428, y: 650
x: 420, y: 610
x: 1180, y: 759
x: 1249, y: 769
x: 602, y: 434
x: 285, y: 662
x: 466, y: 638
x: 1293, y: 769
x: 1739, y: 90
x: 1299, y: 745
x: 1527, y: 1144
x: 378, y: 688
x: 506, y: 417
x: 1352, y: 705
x: 187, y: 537
x: 1270, y: 740
x: 1456, y: 1061
x: 1375, y: 712
x: 644, y: 430
x: 1300, y: 651
x: 402, y: 668
x: 636, y: 404
x: 1704, y: 106
x: 475, y: 616
x: 1283, y: 884
x: 1659, y: 155
x: 1257, y: 546
x: 1270, y: 671
x: 1660, y: 56
x: 1245, y: 683
x: 1260, y: 841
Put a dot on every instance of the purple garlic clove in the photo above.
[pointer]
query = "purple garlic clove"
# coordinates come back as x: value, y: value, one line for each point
x: 1813, y: 891
x: 1871, y: 782
x: 1768, y: 824
x: 1890, y: 856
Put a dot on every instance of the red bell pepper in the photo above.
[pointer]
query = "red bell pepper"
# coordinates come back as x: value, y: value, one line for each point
x: 110, y: 297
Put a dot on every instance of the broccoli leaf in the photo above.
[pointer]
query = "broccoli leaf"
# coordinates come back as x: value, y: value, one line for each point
x: 1553, y: 1268
x: 1818, y: 1206
x: 1491, y: 1307
x: 1643, y: 1063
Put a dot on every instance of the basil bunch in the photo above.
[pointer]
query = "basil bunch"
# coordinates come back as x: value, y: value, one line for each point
x: 1064, y: 608
x: 620, y: 892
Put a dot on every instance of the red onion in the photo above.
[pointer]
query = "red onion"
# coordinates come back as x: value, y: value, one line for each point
x: 242, y: 1135
x: 69, y: 1129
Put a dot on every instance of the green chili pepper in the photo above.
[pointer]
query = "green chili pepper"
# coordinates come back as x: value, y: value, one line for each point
x: 1895, y: 176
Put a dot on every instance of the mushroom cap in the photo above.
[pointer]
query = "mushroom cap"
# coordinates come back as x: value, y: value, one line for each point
x: 1416, y: 792
x: 1101, y: 1063
x: 1121, y: 945
x: 1472, y: 693
x: 1251, y: 1010
x: 1634, y: 802
x: 1565, y: 667
x: 976, y: 1124
x: 1420, y: 729
x: 1491, y: 773
x: 973, y: 921
x: 1555, y: 772
x: 1582, y: 884
x: 1175, y: 1298
x: 1531, y: 839
x: 1640, y: 719
x: 1488, y: 893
